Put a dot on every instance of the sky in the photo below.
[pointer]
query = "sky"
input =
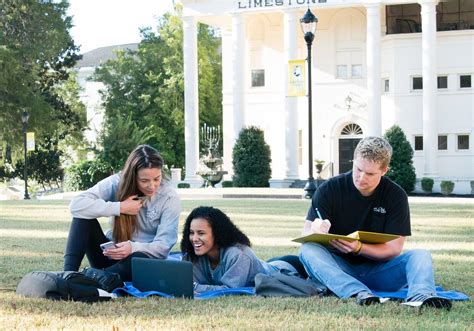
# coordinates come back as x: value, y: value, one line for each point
x: 99, y: 23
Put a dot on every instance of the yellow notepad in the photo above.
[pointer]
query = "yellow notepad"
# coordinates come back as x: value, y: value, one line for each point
x: 363, y: 236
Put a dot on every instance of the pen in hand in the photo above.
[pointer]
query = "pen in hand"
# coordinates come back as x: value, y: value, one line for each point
x: 323, y: 225
x: 317, y: 212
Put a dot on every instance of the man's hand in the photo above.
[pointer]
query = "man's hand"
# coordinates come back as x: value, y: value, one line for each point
x: 123, y: 250
x: 130, y: 206
x: 344, y: 246
x: 320, y: 226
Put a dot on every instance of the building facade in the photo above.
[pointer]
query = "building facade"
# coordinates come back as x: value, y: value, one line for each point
x: 375, y: 63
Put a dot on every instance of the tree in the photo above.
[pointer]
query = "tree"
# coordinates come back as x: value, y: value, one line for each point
x: 120, y: 137
x: 147, y: 87
x: 37, y: 54
x: 401, y: 170
x: 44, y: 165
x: 251, y: 159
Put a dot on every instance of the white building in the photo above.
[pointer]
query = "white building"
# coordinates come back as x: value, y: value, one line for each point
x: 90, y: 90
x: 372, y: 51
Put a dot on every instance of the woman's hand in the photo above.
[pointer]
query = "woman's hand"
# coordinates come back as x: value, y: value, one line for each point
x: 123, y: 250
x: 131, y: 206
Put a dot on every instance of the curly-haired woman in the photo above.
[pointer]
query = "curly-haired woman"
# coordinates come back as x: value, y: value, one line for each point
x: 221, y: 253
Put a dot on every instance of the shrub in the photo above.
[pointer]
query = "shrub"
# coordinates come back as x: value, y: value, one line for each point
x: 401, y: 170
x: 447, y: 187
x: 86, y: 174
x: 184, y: 185
x: 227, y: 183
x: 427, y: 184
x: 251, y: 159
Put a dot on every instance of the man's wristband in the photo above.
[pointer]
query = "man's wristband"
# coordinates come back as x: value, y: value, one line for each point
x: 358, y: 249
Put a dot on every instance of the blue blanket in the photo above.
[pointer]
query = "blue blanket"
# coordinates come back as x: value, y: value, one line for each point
x: 128, y: 289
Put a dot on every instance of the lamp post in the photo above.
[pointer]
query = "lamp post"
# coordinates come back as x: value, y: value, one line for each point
x: 308, y: 25
x: 24, y: 119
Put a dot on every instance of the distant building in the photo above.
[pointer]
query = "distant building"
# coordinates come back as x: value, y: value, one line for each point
x: 376, y: 63
x: 90, y: 90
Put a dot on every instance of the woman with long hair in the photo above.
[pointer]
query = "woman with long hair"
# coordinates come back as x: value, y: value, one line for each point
x: 144, y: 212
x: 220, y: 252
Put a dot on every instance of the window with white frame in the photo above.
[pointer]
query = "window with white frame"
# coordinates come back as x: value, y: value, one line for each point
x: 463, y: 141
x: 418, y: 143
x: 417, y: 83
x: 258, y: 77
x: 442, y: 82
x: 341, y: 71
x: 465, y: 81
x: 442, y: 142
x: 356, y: 71
x: 386, y: 85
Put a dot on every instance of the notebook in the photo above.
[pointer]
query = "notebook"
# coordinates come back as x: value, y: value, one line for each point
x: 172, y: 277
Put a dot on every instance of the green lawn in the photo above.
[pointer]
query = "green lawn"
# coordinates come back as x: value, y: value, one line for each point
x: 33, y: 236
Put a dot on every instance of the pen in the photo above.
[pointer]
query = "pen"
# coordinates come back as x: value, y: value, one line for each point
x: 317, y: 212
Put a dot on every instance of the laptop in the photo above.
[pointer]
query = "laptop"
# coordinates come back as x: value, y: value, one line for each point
x: 172, y: 277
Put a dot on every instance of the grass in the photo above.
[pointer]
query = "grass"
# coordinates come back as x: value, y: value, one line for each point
x: 33, y: 236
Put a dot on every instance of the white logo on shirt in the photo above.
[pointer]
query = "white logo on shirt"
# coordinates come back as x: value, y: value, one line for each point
x: 380, y: 210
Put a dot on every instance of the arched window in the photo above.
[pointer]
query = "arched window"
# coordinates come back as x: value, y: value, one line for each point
x: 351, y: 130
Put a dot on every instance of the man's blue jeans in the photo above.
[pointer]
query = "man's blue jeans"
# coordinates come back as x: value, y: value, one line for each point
x: 413, y: 268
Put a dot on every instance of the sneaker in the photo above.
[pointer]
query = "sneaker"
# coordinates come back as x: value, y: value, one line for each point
x: 426, y: 300
x: 436, y: 302
x: 367, y: 299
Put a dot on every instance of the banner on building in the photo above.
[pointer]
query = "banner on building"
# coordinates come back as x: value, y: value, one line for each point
x: 30, y: 141
x: 296, y: 78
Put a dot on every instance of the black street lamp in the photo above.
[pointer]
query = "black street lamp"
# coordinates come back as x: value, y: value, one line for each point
x: 308, y: 25
x: 24, y: 119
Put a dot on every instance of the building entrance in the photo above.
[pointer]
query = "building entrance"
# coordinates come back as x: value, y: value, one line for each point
x: 347, y: 144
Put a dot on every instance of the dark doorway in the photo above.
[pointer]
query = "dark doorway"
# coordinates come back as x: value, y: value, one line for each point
x: 346, y: 153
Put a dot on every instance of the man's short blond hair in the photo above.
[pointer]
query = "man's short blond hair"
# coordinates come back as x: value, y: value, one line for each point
x: 375, y: 149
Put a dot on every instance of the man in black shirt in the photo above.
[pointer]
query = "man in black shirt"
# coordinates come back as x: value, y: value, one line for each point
x: 363, y: 199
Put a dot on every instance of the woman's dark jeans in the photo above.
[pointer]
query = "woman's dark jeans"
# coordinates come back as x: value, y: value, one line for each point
x: 85, y: 237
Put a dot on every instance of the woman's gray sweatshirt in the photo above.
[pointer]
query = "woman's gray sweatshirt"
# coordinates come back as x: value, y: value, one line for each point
x: 157, y: 228
x: 237, y: 268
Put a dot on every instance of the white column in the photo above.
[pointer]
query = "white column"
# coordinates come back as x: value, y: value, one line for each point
x: 428, y: 50
x: 191, y: 100
x: 227, y: 106
x: 291, y: 110
x: 238, y: 73
x: 373, y: 70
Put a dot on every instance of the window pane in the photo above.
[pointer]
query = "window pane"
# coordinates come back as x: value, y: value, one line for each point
x: 417, y: 83
x: 418, y: 143
x: 442, y: 143
x: 395, y: 10
x: 466, y: 5
x: 411, y: 9
x: 442, y: 81
x: 450, y: 6
x: 465, y: 81
x: 386, y: 85
x: 356, y: 70
x: 341, y: 71
x: 258, y: 77
x: 467, y: 20
x: 463, y: 141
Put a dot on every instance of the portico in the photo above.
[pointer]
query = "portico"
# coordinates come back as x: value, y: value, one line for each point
x: 353, y: 56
